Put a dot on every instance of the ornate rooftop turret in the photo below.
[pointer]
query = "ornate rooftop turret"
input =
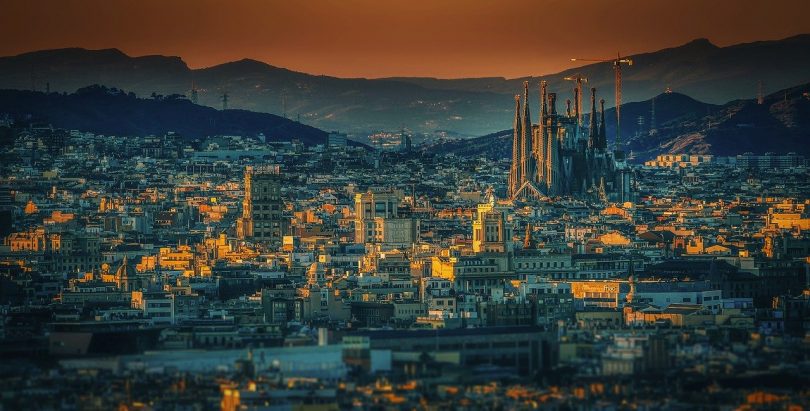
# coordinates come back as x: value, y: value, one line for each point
x: 125, y: 275
x: 528, y: 241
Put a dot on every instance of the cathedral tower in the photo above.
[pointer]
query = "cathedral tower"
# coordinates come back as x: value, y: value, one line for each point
x: 527, y: 163
x: 517, y: 158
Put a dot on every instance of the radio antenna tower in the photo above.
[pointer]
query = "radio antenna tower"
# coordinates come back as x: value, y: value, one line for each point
x: 194, y: 96
x: 284, y: 103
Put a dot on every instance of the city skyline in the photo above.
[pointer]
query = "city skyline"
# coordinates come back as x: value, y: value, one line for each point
x: 443, y: 40
x: 633, y: 234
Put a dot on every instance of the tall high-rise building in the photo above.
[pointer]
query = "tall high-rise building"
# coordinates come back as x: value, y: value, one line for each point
x: 262, y: 209
x: 379, y: 220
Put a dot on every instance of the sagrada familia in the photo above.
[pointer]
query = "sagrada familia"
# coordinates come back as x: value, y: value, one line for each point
x: 560, y: 157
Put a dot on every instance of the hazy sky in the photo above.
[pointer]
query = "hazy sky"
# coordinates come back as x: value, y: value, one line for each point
x: 379, y: 38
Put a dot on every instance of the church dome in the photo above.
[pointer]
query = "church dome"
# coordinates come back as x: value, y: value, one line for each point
x: 125, y: 270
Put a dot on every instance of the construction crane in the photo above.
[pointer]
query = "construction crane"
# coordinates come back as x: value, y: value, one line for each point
x: 579, y: 80
x: 617, y: 68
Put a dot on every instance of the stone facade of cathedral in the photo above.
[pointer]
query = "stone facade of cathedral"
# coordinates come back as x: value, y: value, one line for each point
x: 559, y: 156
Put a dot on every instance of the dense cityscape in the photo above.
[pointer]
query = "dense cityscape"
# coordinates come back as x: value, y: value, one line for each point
x: 189, y: 251
x: 237, y: 272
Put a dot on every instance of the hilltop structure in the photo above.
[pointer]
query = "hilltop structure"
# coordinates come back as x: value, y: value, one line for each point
x: 558, y: 156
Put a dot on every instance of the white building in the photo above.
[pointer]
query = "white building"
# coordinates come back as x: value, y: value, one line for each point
x: 158, y: 307
x: 434, y: 286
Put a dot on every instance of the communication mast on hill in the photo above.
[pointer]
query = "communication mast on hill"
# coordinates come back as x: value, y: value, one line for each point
x: 284, y: 103
x: 194, y: 95
x: 225, y: 100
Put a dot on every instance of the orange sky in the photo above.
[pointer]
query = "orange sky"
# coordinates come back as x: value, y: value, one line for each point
x: 379, y: 38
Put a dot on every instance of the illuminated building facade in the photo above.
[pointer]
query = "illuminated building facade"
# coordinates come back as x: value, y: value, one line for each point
x: 492, y: 228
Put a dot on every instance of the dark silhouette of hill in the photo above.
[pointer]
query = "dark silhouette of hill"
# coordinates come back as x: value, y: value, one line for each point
x: 466, y: 106
x: 698, y: 68
x: 103, y: 110
x: 780, y: 124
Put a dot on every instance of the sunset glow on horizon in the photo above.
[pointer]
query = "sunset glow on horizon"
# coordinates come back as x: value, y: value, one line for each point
x: 363, y: 38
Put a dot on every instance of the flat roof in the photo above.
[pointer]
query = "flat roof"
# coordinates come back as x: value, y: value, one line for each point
x: 445, y: 332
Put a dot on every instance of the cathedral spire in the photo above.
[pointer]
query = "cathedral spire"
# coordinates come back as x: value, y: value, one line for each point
x: 543, y: 107
x: 527, y: 239
x: 602, y: 192
x: 539, y: 142
x: 602, y: 128
x: 514, y: 174
x: 593, y: 132
x: 551, y: 162
x: 631, y: 279
x: 551, y: 153
x: 552, y: 102
x: 526, y: 117
x: 526, y: 138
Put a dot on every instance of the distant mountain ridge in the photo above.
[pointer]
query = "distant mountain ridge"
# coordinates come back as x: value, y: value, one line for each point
x: 101, y: 110
x: 469, y: 107
x: 780, y: 124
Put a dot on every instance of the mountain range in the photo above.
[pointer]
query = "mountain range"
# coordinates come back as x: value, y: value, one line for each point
x: 466, y: 107
x: 103, y: 110
x: 682, y: 124
x: 780, y: 124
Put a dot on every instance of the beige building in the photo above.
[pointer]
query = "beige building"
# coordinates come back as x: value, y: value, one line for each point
x: 482, y: 273
x: 322, y: 303
x: 614, y: 238
x: 679, y: 160
x: 34, y: 240
x: 409, y: 311
x: 492, y: 228
x: 378, y: 220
